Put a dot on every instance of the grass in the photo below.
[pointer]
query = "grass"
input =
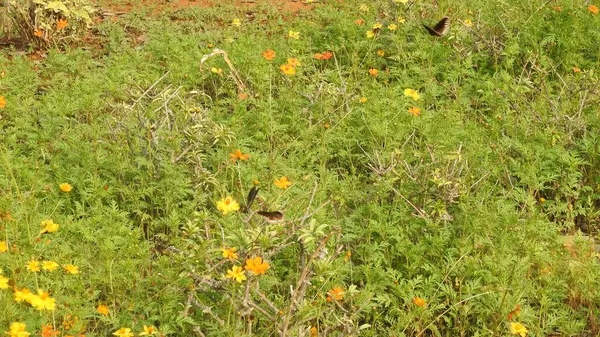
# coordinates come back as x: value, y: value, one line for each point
x: 444, y: 223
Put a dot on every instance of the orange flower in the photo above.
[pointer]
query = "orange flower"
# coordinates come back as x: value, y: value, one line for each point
x: 515, y: 312
x: 269, y: 54
x: 47, y: 331
x: 288, y: 69
x: 593, y: 9
x: 243, y: 96
x: 337, y: 293
x: 314, y: 332
x: 359, y: 22
x: 61, y: 24
x: 414, y: 111
x: 102, y: 309
x: 576, y: 70
x: 418, y: 301
x: 373, y: 72
x: 348, y: 256
x: 283, y: 183
x: 324, y: 56
x: 38, y: 33
x: 557, y: 8
x: 2, y: 102
x: 238, y: 155
x: 256, y: 265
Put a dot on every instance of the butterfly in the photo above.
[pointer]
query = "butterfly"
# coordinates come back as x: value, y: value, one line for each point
x: 441, y: 28
x: 272, y: 217
x: 251, y: 196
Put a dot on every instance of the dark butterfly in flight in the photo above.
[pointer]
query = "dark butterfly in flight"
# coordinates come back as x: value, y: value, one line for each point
x: 251, y: 196
x: 441, y: 28
x: 272, y: 217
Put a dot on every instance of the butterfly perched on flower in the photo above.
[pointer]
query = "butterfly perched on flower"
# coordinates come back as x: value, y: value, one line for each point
x: 441, y: 28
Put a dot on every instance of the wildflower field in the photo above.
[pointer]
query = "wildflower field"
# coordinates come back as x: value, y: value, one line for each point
x: 299, y: 168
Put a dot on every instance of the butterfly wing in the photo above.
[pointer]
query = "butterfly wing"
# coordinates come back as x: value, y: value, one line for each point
x: 251, y: 196
x: 431, y: 31
x: 275, y: 216
x: 443, y: 26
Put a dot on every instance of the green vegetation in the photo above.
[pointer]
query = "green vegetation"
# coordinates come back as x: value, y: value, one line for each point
x: 464, y: 206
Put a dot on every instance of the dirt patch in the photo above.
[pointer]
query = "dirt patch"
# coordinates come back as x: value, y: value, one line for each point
x: 162, y: 6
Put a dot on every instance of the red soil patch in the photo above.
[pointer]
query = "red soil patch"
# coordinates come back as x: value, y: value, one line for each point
x: 159, y: 7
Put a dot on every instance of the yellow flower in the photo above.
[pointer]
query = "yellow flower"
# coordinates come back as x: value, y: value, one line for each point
x: 236, y: 22
x: 217, y: 71
x: 381, y: 53
x: 149, y: 330
x: 363, y: 8
x: 49, y: 265
x: 593, y: 9
x: 518, y: 329
x: 288, y: 69
x: 102, y: 309
x: 400, y: 1
x: 65, y: 187
x: 228, y: 205
x: 418, y: 301
x: 43, y: 301
x: 401, y: 20
x: 377, y: 25
x: 468, y: 22
x: 257, y: 266
x: 236, y: 273
x: 48, y: 226
x: 18, y: 330
x: 392, y: 27
x: 293, y: 35
x: 294, y: 62
x: 370, y: 34
x: 255, y: 182
x: 62, y: 23
x: 238, y: 155
x: 3, y: 282
x: 23, y: 295
x: 71, y: 269
x: 123, y: 332
x: 33, y: 266
x: 412, y: 93
x: 230, y: 253
x: 2, y: 102
x: 363, y: 100
x: 3, y: 246
x: 282, y: 182
x: 414, y: 111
